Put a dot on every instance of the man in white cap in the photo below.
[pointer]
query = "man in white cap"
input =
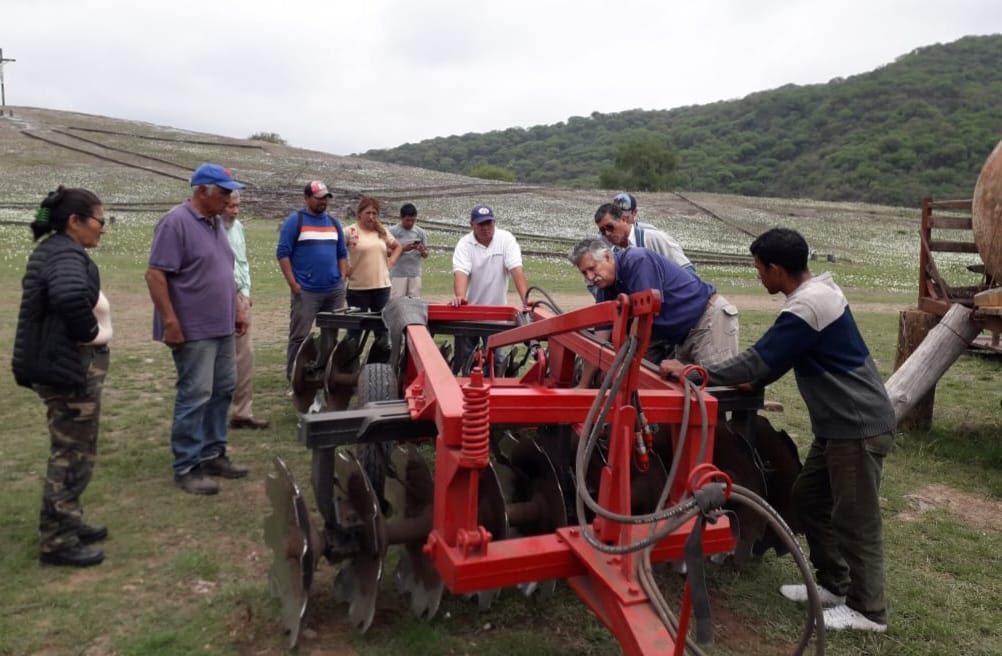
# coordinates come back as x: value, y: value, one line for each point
x: 313, y: 257
x: 190, y: 278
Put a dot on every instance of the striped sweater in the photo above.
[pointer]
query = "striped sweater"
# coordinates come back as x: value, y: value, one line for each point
x: 816, y: 335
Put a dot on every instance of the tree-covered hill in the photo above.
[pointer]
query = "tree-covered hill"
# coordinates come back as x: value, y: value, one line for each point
x: 920, y: 126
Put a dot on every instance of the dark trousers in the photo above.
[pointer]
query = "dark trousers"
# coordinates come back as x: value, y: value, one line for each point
x: 73, y: 416
x: 464, y: 347
x: 303, y: 310
x: 838, y: 503
x: 368, y: 300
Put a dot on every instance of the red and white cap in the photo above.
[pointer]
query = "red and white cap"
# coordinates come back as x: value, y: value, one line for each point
x: 317, y: 189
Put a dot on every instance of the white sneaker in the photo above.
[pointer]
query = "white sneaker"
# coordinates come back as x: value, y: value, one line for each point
x: 798, y: 592
x: 318, y: 403
x: 842, y: 617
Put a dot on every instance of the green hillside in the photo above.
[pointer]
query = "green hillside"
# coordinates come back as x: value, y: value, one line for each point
x: 920, y: 126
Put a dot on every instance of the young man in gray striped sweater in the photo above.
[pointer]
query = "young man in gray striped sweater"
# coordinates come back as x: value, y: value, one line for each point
x: 837, y: 492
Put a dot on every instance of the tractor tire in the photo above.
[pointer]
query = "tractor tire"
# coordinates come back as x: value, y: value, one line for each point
x: 376, y: 382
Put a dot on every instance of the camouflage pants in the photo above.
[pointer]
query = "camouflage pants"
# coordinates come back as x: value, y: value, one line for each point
x: 73, y: 416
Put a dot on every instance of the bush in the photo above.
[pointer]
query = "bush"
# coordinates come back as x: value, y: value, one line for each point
x: 270, y: 137
x: 492, y: 172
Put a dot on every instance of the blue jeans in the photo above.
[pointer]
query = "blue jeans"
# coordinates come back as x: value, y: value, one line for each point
x: 206, y: 377
x: 466, y: 345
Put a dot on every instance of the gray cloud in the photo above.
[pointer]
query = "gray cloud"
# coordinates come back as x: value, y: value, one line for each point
x: 345, y: 77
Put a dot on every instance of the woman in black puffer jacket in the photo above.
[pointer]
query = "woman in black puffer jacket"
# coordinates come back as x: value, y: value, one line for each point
x: 61, y: 352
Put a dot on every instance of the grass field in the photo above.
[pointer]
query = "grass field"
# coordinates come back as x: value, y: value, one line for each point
x: 187, y: 575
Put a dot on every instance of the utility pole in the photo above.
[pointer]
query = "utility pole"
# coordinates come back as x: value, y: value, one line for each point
x: 3, y: 91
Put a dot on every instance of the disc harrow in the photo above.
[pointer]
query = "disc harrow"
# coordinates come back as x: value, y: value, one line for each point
x: 520, y: 478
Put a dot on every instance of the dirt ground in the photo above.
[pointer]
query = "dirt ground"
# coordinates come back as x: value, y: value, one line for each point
x: 977, y: 512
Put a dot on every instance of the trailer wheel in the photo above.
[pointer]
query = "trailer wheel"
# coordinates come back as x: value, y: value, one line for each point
x: 377, y: 382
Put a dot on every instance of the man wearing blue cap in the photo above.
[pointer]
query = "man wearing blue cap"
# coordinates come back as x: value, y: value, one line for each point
x: 190, y: 278
x: 483, y: 262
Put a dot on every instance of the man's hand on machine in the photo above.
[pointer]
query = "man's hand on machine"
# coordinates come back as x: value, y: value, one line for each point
x: 671, y: 369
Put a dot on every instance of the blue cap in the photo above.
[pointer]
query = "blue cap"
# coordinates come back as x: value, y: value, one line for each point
x: 214, y: 174
x: 625, y: 202
x: 481, y: 214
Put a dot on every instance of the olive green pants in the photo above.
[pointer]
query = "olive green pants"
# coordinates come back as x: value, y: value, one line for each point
x: 73, y: 416
x: 837, y: 496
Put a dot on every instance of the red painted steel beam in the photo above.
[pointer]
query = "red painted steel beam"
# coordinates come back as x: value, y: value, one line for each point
x: 446, y: 312
x: 554, y: 556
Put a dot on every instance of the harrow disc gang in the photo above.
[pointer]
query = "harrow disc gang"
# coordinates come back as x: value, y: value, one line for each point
x: 287, y: 530
x: 357, y: 506
x: 410, y: 491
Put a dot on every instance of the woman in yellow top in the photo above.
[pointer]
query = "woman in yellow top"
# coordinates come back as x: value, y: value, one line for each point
x: 372, y: 252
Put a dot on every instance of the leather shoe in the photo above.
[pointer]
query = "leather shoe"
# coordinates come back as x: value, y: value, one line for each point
x: 248, y: 422
x: 78, y: 556
x: 223, y: 468
x: 196, y: 482
x: 91, y: 534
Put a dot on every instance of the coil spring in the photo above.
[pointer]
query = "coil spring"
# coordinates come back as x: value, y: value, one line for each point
x: 476, y: 443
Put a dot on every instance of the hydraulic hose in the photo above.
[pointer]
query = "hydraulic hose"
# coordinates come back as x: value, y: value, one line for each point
x: 680, y: 513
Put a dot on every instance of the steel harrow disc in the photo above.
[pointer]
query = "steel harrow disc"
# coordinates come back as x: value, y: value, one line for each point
x: 304, y: 375
x: 492, y: 514
x: 647, y: 486
x: 341, y: 374
x: 410, y: 491
x: 288, y: 532
x: 357, y: 506
x: 535, y: 499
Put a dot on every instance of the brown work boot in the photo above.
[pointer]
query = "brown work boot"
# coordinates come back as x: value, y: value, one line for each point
x: 196, y: 482
x: 223, y: 468
x: 248, y: 422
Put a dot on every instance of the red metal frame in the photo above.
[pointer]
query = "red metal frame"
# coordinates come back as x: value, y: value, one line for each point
x: 463, y: 552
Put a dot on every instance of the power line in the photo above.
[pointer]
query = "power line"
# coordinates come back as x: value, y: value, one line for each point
x: 3, y: 91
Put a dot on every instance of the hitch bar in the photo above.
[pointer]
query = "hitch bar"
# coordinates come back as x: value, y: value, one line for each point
x: 379, y: 421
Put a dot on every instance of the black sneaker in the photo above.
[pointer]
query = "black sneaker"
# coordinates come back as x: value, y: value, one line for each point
x: 91, y: 534
x: 223, y: 468
x: 78, y: 556
x: 196, y: 482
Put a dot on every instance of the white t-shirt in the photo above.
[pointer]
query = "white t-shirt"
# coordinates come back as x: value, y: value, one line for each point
x: 487, y: 266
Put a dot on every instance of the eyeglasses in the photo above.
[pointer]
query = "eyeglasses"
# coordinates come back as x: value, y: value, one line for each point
x: 100, y: 221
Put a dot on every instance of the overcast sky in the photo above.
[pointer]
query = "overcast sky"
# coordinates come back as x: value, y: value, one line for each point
x: 346, y: 76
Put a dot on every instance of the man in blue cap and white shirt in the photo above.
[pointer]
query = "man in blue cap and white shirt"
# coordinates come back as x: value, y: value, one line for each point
x: 190, y: 278
x: 483, y: 262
